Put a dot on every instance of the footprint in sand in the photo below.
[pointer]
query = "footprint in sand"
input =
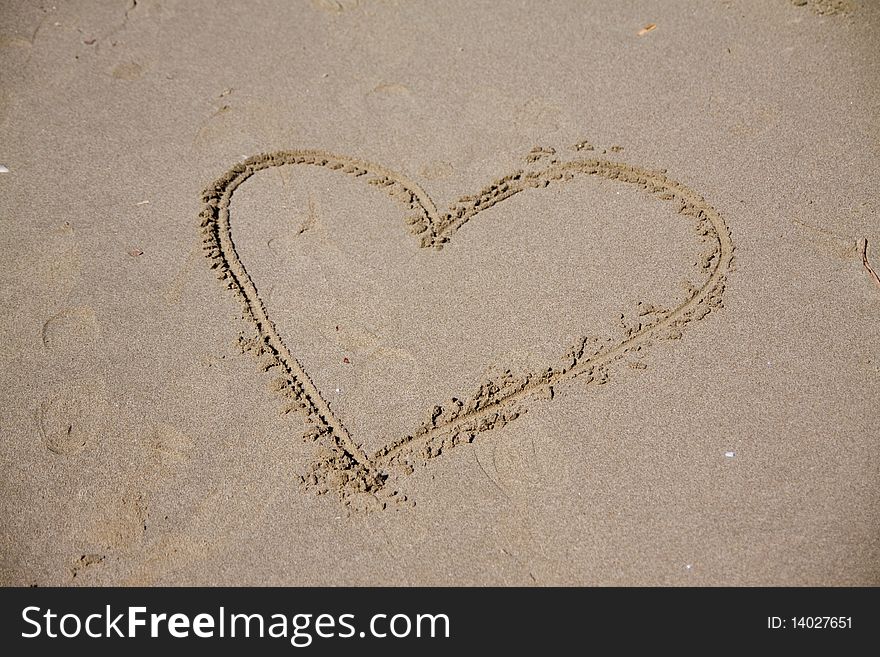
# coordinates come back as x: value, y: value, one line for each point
x: 71, y: 329
x: 72, y: 417
x: 170, y: 446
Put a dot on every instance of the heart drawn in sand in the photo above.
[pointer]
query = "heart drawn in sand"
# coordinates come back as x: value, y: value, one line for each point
x: 342, y: 464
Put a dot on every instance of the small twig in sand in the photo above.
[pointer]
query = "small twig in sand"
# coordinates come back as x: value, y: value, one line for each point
x: 870, y: 269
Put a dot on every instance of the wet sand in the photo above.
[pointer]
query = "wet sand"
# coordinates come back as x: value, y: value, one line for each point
x: 392, y: 292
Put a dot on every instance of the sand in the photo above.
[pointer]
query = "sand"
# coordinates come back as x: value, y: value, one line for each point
x: 342, y: 292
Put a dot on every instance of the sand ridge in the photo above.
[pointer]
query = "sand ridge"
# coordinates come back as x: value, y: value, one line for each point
x: 342, y: 464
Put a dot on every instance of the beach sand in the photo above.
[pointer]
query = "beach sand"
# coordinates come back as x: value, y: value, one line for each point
x: 372, y: 292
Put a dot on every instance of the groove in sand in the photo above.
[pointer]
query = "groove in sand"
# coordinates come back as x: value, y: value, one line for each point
x: 343, y: 465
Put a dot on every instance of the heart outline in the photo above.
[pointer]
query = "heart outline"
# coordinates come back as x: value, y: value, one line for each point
x: 343, y: 464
